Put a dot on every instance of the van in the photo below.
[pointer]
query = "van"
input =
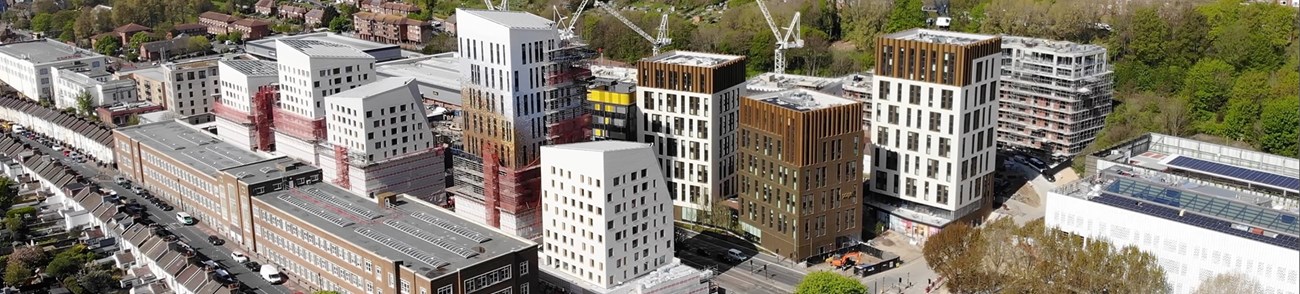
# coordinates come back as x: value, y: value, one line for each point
x: 19, y: 129
x: 271, y: 273
x: 735, y: 255
x: 185, y: 218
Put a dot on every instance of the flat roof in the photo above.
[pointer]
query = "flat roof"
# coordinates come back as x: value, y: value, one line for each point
x: 435, y: 75
x: 939, y: 37
x: 1057, y: 46
x: 46, y: 51
x: 270, y: 169
x: 189, y: 146
x: 427, y: 237
x: 192, y: 64
x: 690, y: 58
x: 511, y: 19
x: 773, y: 82
x: 265, y: 48
x: 317, y: 48
x: 612, y: 85
x: 259, y: 68
x: 600, y: 146
x: 1257, y: 170
x: 801, y: 99
x: 152, y: 73
x: 860, y: 82
x: 626, y: 74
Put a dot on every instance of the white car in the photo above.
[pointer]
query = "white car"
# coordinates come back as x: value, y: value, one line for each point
x: 238, y: 257
x: 271, y: 273
x: 57, y: 148
x: 185, y: 218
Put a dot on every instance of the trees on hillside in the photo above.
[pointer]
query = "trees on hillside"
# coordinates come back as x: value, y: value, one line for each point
x: 906, y: 14
x: 824, y: 282
x: 1001, y: 257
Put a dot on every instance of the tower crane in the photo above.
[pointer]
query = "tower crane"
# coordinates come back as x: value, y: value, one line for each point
x: 658, y: 42
x: 505, y: 5
x: 793, y: 37
x: 566, y: 30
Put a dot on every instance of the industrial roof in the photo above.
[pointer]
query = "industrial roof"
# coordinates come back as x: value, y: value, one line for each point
x: 1234, y: 172
x: 46, y: 50
x: 939, y: 37
x: 690, y: 58
x: 257, y: 68
x: 511, y: 19
x: 433, y: 240
x: 189, y: 146
x: 270, y: 169
x: 801, y: 99
x: 316, y: 48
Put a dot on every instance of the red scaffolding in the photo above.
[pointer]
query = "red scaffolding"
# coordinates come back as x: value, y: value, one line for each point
x: 227, y: 112
x: 341, y: 162
x: 263, y: 103
x: 299, y: 126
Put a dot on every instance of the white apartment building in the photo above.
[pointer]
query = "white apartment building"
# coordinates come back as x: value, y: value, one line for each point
x: 607, y: 218
x: 240, y: 80
x: 1054, y: 95
x: 934, y: 129
x: 379, y: 134
x: 28, y: 66
x: 192, y: 87
x: 68, y: 85
x: 689, y: 103
x: 310, y: 70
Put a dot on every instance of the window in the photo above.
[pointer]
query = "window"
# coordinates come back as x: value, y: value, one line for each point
x: 445, y: 289
x: 523, y: 268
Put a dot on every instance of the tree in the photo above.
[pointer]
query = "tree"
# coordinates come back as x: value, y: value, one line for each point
x: 16, y: 275
x: 825, y: 282
x: 8, y: 192
x: 108, y: 45
x: 199, y: 44
x: 1278, y: 121
x: 340, y: 24
x: 21, y: 262
x: 70, y: 261
x: 235, y: 37
x: 140, y: 38
x: 1207, y: 85
x: 85, y: 105
x: 133, y: 120
x: 84, y: 26
x: 1228, y: 283
x: 906, y: 14
x: 97, y: 279
x: 328, y: 15
x: 42, y: 22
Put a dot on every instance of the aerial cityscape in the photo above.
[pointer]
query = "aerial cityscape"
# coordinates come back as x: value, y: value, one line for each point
x: 650, y: 147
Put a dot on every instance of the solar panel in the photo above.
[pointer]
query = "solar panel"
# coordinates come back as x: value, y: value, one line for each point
x: 1253, y: 215
x: 316, y: 211
x: 427, y: 237
x: 1239, y: 173
x: 459, y: 230
x: 401, y: 247
x: 342, y: 203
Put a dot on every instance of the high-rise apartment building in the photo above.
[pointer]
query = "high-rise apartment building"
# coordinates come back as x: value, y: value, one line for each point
x: 378, y: 141
x: 239, y: 110
x: 522, y: 89
x: 608, y: 218
x: 310, y: 70
x: 613, y: 109
x: 192, y: 87
x: 935, y: 112
x: 1055, y: 95
x: 688, y: 103
x: 800, y: 177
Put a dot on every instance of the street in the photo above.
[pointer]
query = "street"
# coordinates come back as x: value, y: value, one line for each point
x: 760, y: 273
x: 194, y: 236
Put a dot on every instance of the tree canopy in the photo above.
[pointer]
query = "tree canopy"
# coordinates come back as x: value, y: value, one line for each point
x: 824, y: 282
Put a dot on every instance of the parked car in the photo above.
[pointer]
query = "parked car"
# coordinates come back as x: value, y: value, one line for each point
x: 216, y: 240
x: 121, y: 180
x: 271, y: 273
x: 185, y: 218
x: 252, y: 265
x: 1039, y: 164
x: 137, y: 190
x: 239, y: 257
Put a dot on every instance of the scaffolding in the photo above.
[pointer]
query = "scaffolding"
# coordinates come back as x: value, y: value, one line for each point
x: 220, y: 109
x: 305, y: 128
x: 263, y: 103
x: 342, y: 177
x: 566, y: 81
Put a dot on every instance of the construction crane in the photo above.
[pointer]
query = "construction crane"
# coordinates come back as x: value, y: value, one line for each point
x: 658, y: 42
x: 566, y: 30
x: 505, y: 5
x: 793, y: 37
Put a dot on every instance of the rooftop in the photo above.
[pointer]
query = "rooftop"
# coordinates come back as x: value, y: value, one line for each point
x: 129, y: 105
x: 202, y: 63
x: 151, y: 73
x: 690, y: 58
x: 939, y: 37
x: 431, y: 240
x: 326, y: 37
x: 376, y: 88
x: 600, y: 146
x: 801, y: 99
x: 317, y: 48
x: 1056, y: 46
x: 1188, y: 201
x: 189, y: 146
x: 270, y: 169
x: 45, y: 51
x: 511, y: 19
x: 1248, y: 169
x: 259, y: 68
x: 858, y: 82
x: 620, y: 73
x: 612, y: 85
x: 436, y: 75
x: 773, y: 82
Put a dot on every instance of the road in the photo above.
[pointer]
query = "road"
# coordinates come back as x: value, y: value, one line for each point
x: 192, y: 235
x: 748, y: 276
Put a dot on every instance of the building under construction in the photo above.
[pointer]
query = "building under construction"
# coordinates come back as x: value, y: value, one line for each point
x: 1055, y: 95
x: 523, y: 88
x: 248, y: 94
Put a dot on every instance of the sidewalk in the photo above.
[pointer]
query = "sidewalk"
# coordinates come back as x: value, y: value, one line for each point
x: 292, y: 284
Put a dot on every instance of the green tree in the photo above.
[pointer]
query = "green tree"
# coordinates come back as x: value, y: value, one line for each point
x: 108, y: 45
x: 340, y: 24
x: 328, y: 15
x: 133, y: 120
x: 140, y: 38
x: 1278, y: 131
x: 96, y: 279
x: 70, y: 261
x: 1208, y: 84
x: 42, y: 22
x: 16, y: 275
x: 85, y: 105
x: 906, y: 14
x: 1151, y: 33
x: 236, y: 37
x: 21, y: 263
x: 84, y: 25
x: 825, y: 282
x: 8, y: 192
x: 199, y: 44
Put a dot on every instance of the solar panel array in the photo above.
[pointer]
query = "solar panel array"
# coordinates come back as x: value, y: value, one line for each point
x: 1194, y: 218
x: 427, y: 237
x: 342, y: 203
x: 401, y: 247
x: 1253, y: 215
x: 1234, y: 172
x: 314, y: 210
x: 446, y: 225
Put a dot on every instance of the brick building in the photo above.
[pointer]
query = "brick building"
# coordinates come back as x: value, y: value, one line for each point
x: 217, y: 23
x: 391, y: 29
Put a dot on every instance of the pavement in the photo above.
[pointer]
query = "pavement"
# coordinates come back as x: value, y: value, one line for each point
x: 196, y: 236
x: 760, y: 273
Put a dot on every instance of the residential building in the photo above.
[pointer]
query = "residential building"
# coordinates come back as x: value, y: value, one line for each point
x: 27, y: 66
x: 688, y: 105
x: 251, y: 29
x: 217, y: 23
x: 800, y: 178
x: 1054, y: 95
x: 379, y: 141
x: 315, y: 17
x: 391, y: 28
x: 292, y: 12
x: 243, y: 116
x: 858, y: 88
x: 310, y: 70
x: 168, y: 49
x: 608, y: 242
x: 149, y: 84
x: 125, y: 32
x: 389, y: 7
x: 265, y: 48
x: 94, y: 139
x: 506, y: 123
x: 119, y: 115
x: 191, y: 87
x: 613, y: 109
x: 70, y: 85
x: 935, y: 112
x: 265, y: 7
x: 187, y: 29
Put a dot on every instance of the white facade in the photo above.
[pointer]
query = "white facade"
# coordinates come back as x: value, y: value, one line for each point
x: 191, y: 87
x: 68, y: 85
x: 607, y: 215
x: 309, y: 70
x: 935, y: 143
x: 698, y: 135
x: 389, y: 146
x: 28, y: 66
x: 85, y: 141
x: 1189, y: 254
x: 240, y: 80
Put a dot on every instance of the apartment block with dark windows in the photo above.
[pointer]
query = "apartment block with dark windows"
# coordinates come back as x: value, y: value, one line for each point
x: 612, y: 105
x: 800, y: 172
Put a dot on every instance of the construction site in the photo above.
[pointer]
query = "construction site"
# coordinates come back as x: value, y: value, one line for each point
x: 251, y: 128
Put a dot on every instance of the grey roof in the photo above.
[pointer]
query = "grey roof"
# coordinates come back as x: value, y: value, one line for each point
x: 613, y: 85
x: 690, y: 58
x: 939, y: 37
x: 269, y: 169
x: 377, y: 88
x: 46, y: 50
x: 257, y: 68
x: 265, y: 48
x: 601, y: 146
x: 190, y: 146
x: 436, y: 76
x: 512, y: 19
x: 317, y: 48
x: 801, y: 99
x: 427, y: 237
